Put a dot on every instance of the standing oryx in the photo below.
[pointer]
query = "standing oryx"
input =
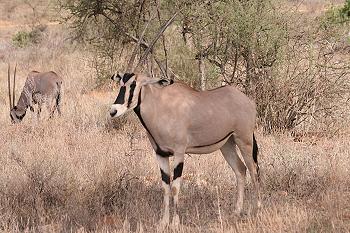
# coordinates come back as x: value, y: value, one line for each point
x: 39, y: 88
x: 180, y: 120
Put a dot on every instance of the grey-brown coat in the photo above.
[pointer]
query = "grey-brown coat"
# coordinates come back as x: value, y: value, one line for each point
x: 39, y: 89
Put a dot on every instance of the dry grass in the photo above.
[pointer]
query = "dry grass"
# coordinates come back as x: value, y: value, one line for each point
x: 82, y: 173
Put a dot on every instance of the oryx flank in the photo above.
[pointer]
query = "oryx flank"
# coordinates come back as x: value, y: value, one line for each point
x: 179, y: 120
x: 39, y: 88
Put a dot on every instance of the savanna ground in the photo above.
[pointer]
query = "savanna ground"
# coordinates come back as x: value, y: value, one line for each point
x: 81, y: 172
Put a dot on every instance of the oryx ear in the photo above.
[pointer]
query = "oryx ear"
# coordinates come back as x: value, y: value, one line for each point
x: 161, y: 82
x: 165, y: 82
x: 117, y: 77
x: 31, y: 108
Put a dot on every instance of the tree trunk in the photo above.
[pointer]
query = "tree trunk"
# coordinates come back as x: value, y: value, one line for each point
x: 202, y: 72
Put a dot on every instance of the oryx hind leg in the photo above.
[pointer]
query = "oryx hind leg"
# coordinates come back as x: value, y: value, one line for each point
x: 229, y: 152
x: 249, y: 150
x: 176, y: 184
x: 52, y: 106
x: 165, y: 174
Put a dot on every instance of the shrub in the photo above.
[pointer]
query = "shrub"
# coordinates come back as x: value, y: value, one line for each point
x: 23, y: 38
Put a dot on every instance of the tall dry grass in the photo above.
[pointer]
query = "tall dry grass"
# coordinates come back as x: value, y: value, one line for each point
x: 83, y: 173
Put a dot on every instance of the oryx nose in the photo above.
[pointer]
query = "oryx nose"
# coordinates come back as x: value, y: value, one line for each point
x: 113, y: 112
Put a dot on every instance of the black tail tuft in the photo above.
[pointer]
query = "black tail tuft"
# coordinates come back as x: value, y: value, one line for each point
x: 255, y: 155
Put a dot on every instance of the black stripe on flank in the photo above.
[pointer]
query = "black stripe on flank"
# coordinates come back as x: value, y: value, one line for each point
x: 165, y: 177
x: 215, y: 142
x: 131, y: 92
x: 158, y: 150
x: 121, y: 96
x: 127, y: 76
x: 178, y: 170
x: 161, y: 152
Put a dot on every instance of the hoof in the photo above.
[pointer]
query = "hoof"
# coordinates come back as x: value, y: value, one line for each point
x: 162, y: 224
x: 176, y: 221
x: 259, y: 205
x: 240, y: 213
x: 237, y: 212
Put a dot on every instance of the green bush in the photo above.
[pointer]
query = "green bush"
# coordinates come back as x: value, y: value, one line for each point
x: 23, y: 38
x: 339, y: 15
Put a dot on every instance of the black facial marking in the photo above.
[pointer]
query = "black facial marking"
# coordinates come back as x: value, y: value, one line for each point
x: 178, y: 170
x: 127, y: 76
x: 158, y: 150
x: 121, y: 95
x: 131, y: 92
x: 165, y: 177
x: 21, y: 116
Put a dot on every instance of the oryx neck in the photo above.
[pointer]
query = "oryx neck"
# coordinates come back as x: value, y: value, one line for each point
x: 137, y: 110
x: 23, y: 101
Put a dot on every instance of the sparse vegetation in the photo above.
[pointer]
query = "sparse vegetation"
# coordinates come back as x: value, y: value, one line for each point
x: 83, y: 173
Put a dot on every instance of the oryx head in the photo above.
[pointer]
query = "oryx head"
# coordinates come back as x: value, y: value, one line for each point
x: 17, y: 114
x: 129, y: 91
x: 130, y: 84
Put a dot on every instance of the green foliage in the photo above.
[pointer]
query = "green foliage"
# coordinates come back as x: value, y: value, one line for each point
x: 241, y: 38
x: 23, y: 38
x: 251, y: 44
x: 339, y: 15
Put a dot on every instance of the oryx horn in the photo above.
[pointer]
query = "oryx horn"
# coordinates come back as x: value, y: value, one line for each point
x: 160, y: 32
x: 9, y: 85
x: 14, y: 86
x: 132, y: 59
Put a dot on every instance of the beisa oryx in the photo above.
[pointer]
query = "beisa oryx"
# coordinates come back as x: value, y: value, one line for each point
x: 39, y: 89
x: 179, y: 120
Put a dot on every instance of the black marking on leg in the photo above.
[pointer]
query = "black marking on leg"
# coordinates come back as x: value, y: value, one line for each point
x: 127, y: 76
x: 158, y: 150
x: 131, y: 92
x: 121, y: 96
x: 165, y: 177
x: 178, y: 170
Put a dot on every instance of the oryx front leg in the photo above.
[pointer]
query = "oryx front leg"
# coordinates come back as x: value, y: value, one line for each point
x: 176, y: 184
x: 229, y: 152
x: 165, y: 173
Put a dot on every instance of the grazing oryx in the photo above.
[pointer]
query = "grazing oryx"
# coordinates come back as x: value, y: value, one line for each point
x: 179, y: 120
x: 39, y: 88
